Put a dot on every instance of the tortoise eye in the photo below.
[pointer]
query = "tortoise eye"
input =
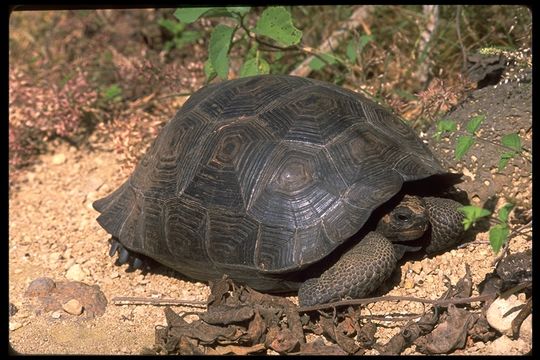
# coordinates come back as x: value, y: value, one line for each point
x: 402, y: 217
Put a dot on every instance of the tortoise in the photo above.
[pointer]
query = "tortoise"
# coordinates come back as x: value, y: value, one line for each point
x: 261, y: 178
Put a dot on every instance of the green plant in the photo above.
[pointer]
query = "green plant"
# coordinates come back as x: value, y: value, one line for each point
x: 181, y: 36
x: 274, y: 29
x: 274, y: 24
x: 510, y: 143
x: 498, y: 234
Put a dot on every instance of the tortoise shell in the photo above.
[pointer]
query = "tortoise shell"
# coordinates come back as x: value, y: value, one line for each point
x: 263, y: 175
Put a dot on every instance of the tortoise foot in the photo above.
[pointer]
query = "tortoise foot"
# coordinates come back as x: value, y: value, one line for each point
x: 125, y: 256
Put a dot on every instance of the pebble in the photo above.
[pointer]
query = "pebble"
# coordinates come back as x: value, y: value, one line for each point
x: 56, y: 314
x: 12, y: 309
x: 73, y: 307
x: 480, y: 345
x: 30, y: 177
x: 54, y: 257
x: 40, y: 287
x: 69, y: 263
x: 408, y: 282
x: 497, y: 310
x: 58, y: 159
x: 506, y: 346
x: 416, y: 267
x: 14, y: 325
x: 525, y: 331
x: 75, y: 272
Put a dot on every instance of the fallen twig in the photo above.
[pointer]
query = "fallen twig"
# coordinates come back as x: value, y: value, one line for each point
x: 127, y: 300
x: 393, y: 298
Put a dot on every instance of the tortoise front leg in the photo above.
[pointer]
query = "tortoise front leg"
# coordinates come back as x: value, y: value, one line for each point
x: 357, y: 273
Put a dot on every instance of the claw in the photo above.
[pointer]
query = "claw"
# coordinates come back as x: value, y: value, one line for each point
x: 115, y: 244
x: 137, y: 263
x: 124, y: 256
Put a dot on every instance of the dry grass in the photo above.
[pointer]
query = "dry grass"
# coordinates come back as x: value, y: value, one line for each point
x: 62, y: 63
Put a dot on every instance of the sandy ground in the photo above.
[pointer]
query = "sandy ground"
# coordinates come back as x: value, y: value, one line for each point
x: 52, y: 227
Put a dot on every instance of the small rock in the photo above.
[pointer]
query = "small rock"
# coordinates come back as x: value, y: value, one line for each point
x: 76, y: 273
x: 30, y: 177
x: 506, y: 346
x: 40, y: 287
x: 12, y: 309
x: 13, y: 325
x: 69, y: 263
x: 73, y: 307
x: 480, y: 345
x: 54, y: 257
x: 56, y: 314
x: 58, y: 159
x: 408, y: 284
x: 416, y: 267
x: 525, y: 331
x: 495, y: 315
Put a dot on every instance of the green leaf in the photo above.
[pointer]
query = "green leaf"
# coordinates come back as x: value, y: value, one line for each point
x: 249, y: 68
x: 218, y: 52
x: 512, y: 141
x: 364, y: 40
x: 472, y: 214
x: 264, y: 67
x: 189, y: 15
x: 209, y: 71
x: 174, y: 27
x: 463, y: 144
x: 355, y: 48
x: 240, y: 10
x: 254, y: 66
x: 321, y: 61
x: 112, y: 93
x: 352, y: 51
x: 276, y: 23
x: 505, y: 157
x: 474, y: 123
x: 444, y: 126
x: 498, y: 236
x: 505, y: 211
x: 316, y: 64
x: 187, y: 37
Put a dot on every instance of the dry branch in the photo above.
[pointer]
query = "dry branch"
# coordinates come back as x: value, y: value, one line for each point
x: 394, y: 298
x: 344, y: 31
x: 431, y: 14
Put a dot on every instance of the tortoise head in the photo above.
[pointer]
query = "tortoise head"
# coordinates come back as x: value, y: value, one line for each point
x: 407, y: 221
